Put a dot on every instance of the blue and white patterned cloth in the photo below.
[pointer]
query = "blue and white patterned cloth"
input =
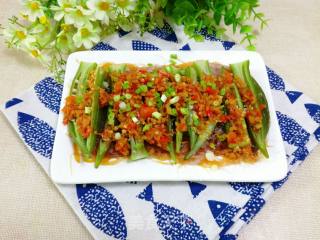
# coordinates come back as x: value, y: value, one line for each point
x: 153, y: 210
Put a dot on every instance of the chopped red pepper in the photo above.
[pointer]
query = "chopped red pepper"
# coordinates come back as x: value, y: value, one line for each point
x: 232, y: 138
x: 143, y: 80
x: 143, y: 70
x: 146, y: 111
x: 224, y: 118
x: 262, y: 106
x: 164, y: 139
x: 211, y: 91
x: 117, y: 86
x: 164, y: 74
x: 228, y: 77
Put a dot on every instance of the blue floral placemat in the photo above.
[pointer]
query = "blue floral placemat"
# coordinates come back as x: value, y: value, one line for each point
x: 176, y: 210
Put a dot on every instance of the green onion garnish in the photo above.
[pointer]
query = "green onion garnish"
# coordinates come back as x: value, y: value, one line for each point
x: 222, y: 91
x: 87, y: 110
x: 141, y: 89
x: 156, y: 115
x: 125, y: 85
x: 128, y: 95
x: 184, y: 111
x: 116, y: 98
x: 174, y: 100
x: 146, y: 127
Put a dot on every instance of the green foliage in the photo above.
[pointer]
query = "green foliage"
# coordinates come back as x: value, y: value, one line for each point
x: 49, y: 30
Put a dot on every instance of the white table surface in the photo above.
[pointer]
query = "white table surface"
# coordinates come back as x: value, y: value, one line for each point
x: 31, y: 207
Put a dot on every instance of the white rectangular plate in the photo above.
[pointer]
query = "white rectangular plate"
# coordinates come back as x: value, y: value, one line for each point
x: 64, y: 169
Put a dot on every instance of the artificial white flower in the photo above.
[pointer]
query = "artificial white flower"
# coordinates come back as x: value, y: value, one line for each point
x: 44, y: 34
x: 16, y: 37
x: 87, y: 36
x: 101, y: 9
x: 125, y: 6
x: 78, y: 16
x: 64, y: 6
x: 14, y: 34
x: 31, y: 46
x: 64, y: 38
x: 29, y: 42
x: 33, y: 10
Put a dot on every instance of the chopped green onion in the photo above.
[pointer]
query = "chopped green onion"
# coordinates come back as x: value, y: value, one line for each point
x: 111, y: 116
x: 203, y: 84
x: 105, y: 84
x: 212, y: 145
x: 158, y: 99
x: 135, y: 119
x: 177, y: 77
x: 141, y: 89
x: 184, y: 111
x: 222, y: 91
x: 163, y: 98
x: 150, y: 84
x: 146, y: 127
x: 170, y: 91
x: 150, y: 64
x: 149, y: 103
x: 116, y: 98
x: 172, y: 112
x: 87, y: 110
x: 127, y: 95
x: 136, y: 105
x: 174, y: 100
x: 212, y: 85
x: 125, y: 85
x: 156, y: 115
x: 122, y: 105
x: 117, y: 135
x: 126, y: 109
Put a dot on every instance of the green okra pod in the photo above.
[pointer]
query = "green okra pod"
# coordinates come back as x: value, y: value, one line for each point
x: 202, y: 67
x: 78, y: 139
x: 138, y: 150
x: 103, y: 144
x: 191, y: 129
x: 102, y: 149
x: 82, y: 79
x: 179, y: 136
x: 203, y: 137
x: 246, y: 141
x: 191, y: 73
x: 171, y: 145
x: 95, y: 112
x: 241, y: 70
